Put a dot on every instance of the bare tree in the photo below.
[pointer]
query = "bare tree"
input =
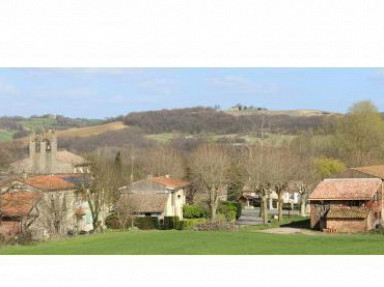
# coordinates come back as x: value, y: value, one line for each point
x: 210, y: 164
x: 101, y: 190
x: 269, y: 168
x: 162, y: 160
x: 309, y: 177
x: 126, y: 208
x: 53, y: 209
x: 254, y: 179
x: 280, y: 168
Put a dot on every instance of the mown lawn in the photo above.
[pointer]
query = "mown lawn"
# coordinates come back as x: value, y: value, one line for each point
x: 209, y: 243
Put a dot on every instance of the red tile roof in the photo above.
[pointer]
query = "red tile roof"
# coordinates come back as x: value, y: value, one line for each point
x: 376, y: 170
x: 346, y: 189
x: 147, y: 203
x: 170, y: 182
x: 347, y: 212
x: 48, y: 182
x: 19, y: 203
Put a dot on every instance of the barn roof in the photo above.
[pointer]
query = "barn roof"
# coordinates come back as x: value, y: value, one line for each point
x: 161, y: 184
x: 48, y: 182
x: 19, y: 203
x: 143, y: 203
x: 347, y: 212
x: 346, y: 189
x: 375, y: 170
x: 170, y: 182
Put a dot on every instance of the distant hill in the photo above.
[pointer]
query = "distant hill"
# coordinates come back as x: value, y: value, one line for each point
x: 18, y: 127
x: 293, y: 113
x: 89, y: 131
x: 208, y: 120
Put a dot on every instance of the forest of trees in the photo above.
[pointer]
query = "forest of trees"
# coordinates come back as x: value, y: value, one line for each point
x: 209, y: 120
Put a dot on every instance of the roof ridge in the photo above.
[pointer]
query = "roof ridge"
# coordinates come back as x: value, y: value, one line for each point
x: 352, y: 179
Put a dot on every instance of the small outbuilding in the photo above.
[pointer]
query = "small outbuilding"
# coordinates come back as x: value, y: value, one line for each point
x: 347, y: 204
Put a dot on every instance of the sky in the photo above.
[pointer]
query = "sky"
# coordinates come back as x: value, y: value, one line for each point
x: 108, y: 92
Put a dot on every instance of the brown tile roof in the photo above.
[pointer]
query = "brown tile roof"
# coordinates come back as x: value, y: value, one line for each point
x: 69, y: 157
x: 348, y: 212
x: 170, y: 182
x: 346, y: 189
x: 19, y: 203
x: 147, y: 202
x: 48, y: 182
x: 376, y: 170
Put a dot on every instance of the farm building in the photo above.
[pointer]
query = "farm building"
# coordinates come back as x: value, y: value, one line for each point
x: 44, y: 205
x: 157, y: 196
x: 347, y: 204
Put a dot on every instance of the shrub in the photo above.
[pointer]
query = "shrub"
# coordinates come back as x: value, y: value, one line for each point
x: 229, y: 208
x: 231, y: 216
x: 190, y: 223
x: 146, y: 223
x: 112, y: 221
x: 239, y: 209
x: 193, y: 211
x: 170, y: 222
x: 215, y: 226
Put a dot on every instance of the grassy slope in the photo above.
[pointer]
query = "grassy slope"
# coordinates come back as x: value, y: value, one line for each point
x: 6, y: 135
x: 86, y: 131
x: 91, y: 130
x: 189, y: 242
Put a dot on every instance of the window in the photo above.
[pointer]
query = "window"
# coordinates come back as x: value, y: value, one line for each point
x: 355, y: 203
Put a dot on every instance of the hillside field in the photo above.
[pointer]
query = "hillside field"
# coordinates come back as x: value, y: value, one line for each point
x: 87, y: 131
x: 204, y: 243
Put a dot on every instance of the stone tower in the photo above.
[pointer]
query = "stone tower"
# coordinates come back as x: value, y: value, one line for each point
x: 43, y: 152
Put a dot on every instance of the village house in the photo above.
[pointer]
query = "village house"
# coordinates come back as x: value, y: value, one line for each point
x: 290, y: 196
x: 44, y: 205
x: 45, y: 158
x: 157, y: 196
x: 347, y: 204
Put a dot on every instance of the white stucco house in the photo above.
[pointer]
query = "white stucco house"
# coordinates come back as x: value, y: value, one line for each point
x: 157, y: 196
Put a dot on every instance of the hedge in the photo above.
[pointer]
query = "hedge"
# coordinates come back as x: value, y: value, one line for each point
x: 112, y: 221
x: 193, y: 211
x: 231, y: 210
x: 170, y: 222
x: 146, y: 223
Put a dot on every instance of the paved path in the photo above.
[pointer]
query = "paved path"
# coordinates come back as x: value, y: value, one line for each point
x: 290, y: 230
x: 249, y: 217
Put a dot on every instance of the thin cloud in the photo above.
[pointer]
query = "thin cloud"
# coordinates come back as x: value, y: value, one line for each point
x: 7, y: 89
x: 237, y: 84
x: 158, y: 85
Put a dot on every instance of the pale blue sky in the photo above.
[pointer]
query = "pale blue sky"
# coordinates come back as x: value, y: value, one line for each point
x: 100, y: 92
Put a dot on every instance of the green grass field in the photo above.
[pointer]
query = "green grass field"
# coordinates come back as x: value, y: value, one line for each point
x: 209, y: 243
